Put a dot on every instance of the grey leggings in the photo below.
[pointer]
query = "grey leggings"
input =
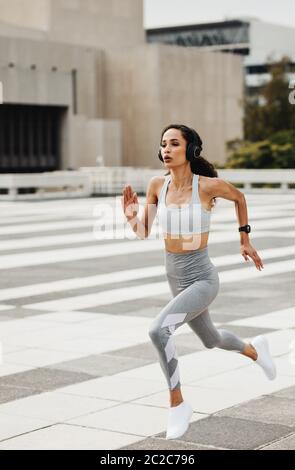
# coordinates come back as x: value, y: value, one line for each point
x: 194, y: 283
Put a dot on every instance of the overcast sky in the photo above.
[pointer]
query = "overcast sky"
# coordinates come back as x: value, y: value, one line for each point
x: 175, y: 12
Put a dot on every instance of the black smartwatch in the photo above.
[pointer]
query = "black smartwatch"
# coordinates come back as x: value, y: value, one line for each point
x: 245, y: 228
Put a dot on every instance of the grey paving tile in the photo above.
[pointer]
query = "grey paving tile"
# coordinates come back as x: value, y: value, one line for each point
x: 232, y: 433
x: 147, y: 307
x: 228, y: 305
x: 89, y: 290
x: 11, y: 393
x: 287, y: 443
x: 163, y: 444
x: 149, y: 312
x: 16, y: 277
x: 259, y: 243
x: 185, y: 344
x: 18, y: 313
x: 113, y: 263
x: 22, y: 236
x: 246, y: 331
x: 252, y: 307
x: 188, y: 343
x: 145, y: 351
x: 224, y: 317
x: 99, y: 365
x: 255, y: 293
x: 267, y: 409
x: 62, y: 246
x: 285, y: 393
x: 44, y: 378
x: 285, y: 279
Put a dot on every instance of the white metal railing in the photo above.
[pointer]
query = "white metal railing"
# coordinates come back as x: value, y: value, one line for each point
x: 47, y: 185
x: 249, y: 177
x: 111, y: 180
x: 95, y: 181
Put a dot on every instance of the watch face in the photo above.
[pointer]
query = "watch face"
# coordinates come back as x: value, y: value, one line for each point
x: 245, y: 228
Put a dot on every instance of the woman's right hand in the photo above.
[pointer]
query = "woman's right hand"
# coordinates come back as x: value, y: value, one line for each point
x: 129, y: 202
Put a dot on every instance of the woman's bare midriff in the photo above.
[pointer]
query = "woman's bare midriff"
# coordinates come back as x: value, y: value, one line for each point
x: 185, y: 243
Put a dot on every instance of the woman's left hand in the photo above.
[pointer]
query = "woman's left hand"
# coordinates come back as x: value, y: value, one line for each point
x: 249, y: 250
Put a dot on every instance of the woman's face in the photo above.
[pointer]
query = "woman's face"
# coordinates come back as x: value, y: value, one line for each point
x: 173, y: 148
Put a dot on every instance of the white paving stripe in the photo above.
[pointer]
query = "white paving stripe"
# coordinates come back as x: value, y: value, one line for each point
x: 218, y: 216
x: 157, y: 288
x: 38, y: 207
x: 34, y: 242
x: 81, y: 282
x: 268, y: 253
x: 17, y: 220
x: 120, y: 220
x: 258, y: 202
x: 112, y: 296
x: 73, y: 254
x: 5, y: 307
x: 44, y: 227
x: 67, y: 340
x: 262, y: 224
x: 280, y: 319
x: 126, y: 275
x: 88, y: 237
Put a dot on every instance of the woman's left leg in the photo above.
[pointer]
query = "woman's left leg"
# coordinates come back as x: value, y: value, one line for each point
x: 183, y: 308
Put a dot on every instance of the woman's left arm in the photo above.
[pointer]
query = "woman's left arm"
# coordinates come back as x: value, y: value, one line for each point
x: 221, y: 188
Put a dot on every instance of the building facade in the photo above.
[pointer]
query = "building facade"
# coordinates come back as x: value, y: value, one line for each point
x: 259, y: 44
x: 83, y: 87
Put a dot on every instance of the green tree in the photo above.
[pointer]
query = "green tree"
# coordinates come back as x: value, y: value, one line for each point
x: 276, y: 152
x: 276, y: 113
x: 269, y: 123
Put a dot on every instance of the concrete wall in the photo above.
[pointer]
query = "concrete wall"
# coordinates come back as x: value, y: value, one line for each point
x: 45, y: 86
x: 93, y: 138
x: 45, y: 55
x: 150, y: 86
x: 96, y: 23
x: 34, y: 14
x: 100, y: 23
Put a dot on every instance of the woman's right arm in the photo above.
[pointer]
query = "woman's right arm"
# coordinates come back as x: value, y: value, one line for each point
x: 142, y: 227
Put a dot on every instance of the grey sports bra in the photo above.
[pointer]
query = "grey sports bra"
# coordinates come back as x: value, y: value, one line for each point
x: 186, y: 220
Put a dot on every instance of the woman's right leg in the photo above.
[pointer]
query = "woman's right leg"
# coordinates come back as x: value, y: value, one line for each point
x: 212, y: 337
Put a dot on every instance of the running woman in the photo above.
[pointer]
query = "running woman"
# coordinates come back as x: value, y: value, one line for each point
x: 183, y: 200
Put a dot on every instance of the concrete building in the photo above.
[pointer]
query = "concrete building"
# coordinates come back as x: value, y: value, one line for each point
x: 82, y: 87
x: 258, y: 42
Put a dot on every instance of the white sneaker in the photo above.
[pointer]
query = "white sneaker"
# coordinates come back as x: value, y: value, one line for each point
x: 178, y: 420
x: 264, y: 359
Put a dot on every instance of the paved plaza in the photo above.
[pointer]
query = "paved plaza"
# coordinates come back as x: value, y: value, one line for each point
x: 78, y: 368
